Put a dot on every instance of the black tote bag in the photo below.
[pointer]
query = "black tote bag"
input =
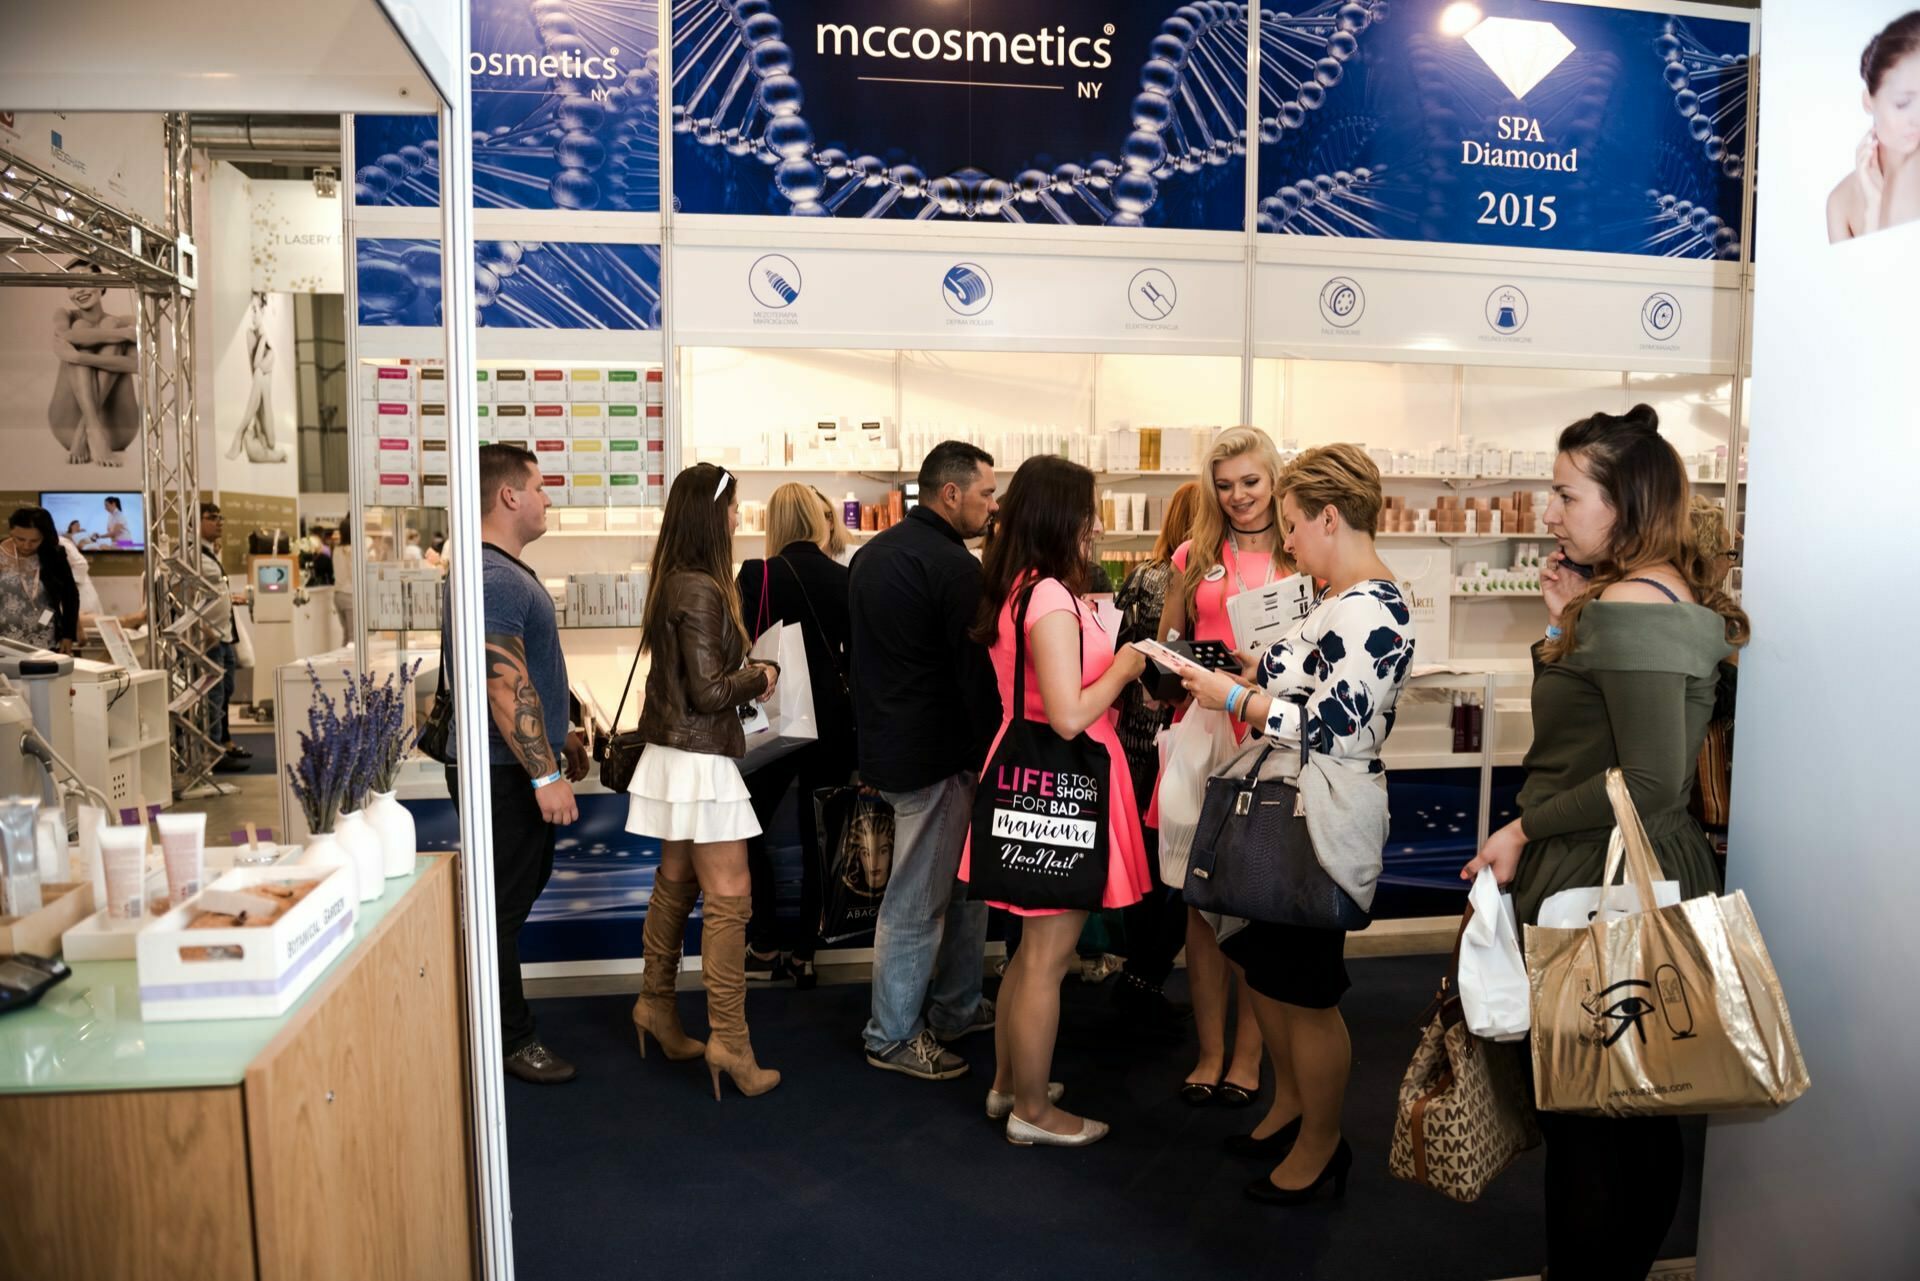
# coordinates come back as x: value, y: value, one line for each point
x: 1040, y: 812
x: 1253, y: 857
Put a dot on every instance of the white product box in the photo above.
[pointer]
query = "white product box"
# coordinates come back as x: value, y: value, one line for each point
x: 434, y: 490
x: 245, y: 972
x: 588, y: 385
x: 395, y: 489
x: 1177, y: 449
x: 587, y: 420
x: 386, y: 382
x: 656, y: 387
x: 558, y: 486
x: 1123, y: 450
x: 510, y: 422
x: 626, y: 454
x: 434, y: 458
x: 626, y: 489
x: 431, y: 384
x: 626, y: 420
x: 483, y: 386
x: 396, y: 453
x: 587, y: 455
x: 553, y: 453
x: 386, y: 417
x: 624, y: 386
x: 512, y: 386
x: 433, y: 420
x: 551, y: 419
x: 589, y: 489
x: 550, y: 386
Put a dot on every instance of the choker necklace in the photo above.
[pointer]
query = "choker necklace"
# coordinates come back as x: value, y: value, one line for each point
x: 1250, y: 532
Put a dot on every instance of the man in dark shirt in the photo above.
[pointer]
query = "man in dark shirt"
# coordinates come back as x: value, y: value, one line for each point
x: 926, y: 707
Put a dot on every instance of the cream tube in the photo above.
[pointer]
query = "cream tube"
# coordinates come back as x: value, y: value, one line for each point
x: 183, y: 840
x: 123, y: 853
x: 92, y: 819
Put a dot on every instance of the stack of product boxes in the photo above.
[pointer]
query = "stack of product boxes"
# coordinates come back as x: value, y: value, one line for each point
x: 598, y: 431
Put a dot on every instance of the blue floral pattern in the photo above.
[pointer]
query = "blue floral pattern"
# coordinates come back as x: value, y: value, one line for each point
x: 1343, y: 668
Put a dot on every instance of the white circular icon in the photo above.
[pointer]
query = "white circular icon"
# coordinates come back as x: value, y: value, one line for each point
x: 1152, y: 294
x: 774, y: 280
x: 1342, y: 302
x: 1507, y: 310
x: 967, y: 288
x: 1660, y: 316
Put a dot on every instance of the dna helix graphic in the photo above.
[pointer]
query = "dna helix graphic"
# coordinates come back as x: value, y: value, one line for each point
x: 735, y: 92
x: 517, y: 284
x: 1710, y: 93
x: 584, y: 142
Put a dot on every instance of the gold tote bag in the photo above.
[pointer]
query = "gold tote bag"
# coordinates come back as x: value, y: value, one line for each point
x: 1668, y: 1011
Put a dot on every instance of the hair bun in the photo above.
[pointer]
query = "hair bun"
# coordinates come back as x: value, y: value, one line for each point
x: 1643, y: 416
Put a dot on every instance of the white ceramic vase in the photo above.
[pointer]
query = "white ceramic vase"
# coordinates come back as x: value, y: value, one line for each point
x: 393, y: 823
x: 323, y: 849
x: 369, y: 859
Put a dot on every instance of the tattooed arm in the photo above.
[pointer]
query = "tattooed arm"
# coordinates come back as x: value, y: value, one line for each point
x: 522, y: 723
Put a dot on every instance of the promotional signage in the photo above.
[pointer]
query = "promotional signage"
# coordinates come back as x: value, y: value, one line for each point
x: 1089, y: 112
x: 845, y: 298
x: 519, y: 285
x: 119, y: 158
x: 1473, y: 317
x: 565, y: 108
x: 296, y: 238
x: 1516, y: 123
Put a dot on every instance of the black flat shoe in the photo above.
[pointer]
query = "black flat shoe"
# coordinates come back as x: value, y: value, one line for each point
x: 1197, y: 1094
x: 1263, y: 1190
x: 1230, y: 1095
x: 1274, y: 1147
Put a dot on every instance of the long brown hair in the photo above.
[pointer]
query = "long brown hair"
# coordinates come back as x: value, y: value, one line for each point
x: 1646, y: 485
x: 1177, y: 525
x: 1041, y: 530
x: 695, y: 537
x: 1210, y: 522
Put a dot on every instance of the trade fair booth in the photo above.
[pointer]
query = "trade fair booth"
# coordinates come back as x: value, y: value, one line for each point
x: 808, y: 243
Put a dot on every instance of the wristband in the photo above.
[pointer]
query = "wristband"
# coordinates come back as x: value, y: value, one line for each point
x: 1246, y: 710
x: 1233, y: 696
x: 554, y: 777
x: 1555, y: 633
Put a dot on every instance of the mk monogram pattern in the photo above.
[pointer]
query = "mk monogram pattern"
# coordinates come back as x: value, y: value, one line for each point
x: 1463, y: 1114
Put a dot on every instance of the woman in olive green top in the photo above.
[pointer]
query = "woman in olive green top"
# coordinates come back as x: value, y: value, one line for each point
x: 1625, y: 677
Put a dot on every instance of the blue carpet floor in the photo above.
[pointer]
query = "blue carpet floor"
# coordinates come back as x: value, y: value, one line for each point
x: 847, y: 1172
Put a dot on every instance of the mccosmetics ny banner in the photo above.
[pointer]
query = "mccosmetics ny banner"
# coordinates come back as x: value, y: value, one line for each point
x: 1505, y: 122
x: 1089, y: 112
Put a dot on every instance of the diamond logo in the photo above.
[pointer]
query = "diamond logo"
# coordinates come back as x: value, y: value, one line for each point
x: 1520, y: 52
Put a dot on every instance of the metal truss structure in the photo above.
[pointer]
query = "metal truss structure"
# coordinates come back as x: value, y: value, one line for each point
x: 52, y: 235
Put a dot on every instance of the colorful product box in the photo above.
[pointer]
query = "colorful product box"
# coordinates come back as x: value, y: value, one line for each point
x: 624, y: 386
x: 588, y: 455
x: 587, y: 385
x: 552, y: 454
x: 512, y: 386
x: 550, y: 386
x: 511, y: 422
x: 626, y: 489
x: 386, y: 382
x: 433, y: 421
x: 587, y: 420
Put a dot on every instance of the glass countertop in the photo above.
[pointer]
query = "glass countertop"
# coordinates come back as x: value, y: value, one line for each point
x: 86, y: 1033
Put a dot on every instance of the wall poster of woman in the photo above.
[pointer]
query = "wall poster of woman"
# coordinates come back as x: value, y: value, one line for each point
x: 94, y: 413
x: 254, y: 434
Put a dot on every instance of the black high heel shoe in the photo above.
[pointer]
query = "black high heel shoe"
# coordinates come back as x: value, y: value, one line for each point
x: 1262, y: 1189
x: 1274, y: 1147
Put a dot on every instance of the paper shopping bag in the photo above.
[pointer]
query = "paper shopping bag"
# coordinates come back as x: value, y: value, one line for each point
x: 789, y: 721
x: 1197, y: 745
x: 1666, y: 1011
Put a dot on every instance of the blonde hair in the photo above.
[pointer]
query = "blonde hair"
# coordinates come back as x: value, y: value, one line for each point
x: 1338, y: 476
x: 1709, y: 542
x: 1210, y: 522
x: 794, y: 516
x: 836, y: 533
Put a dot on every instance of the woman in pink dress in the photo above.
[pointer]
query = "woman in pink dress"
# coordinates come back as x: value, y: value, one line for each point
x: 1040, y: 555
x: 1236, y: 547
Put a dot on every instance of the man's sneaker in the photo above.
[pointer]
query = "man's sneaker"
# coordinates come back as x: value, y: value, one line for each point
x: 923, y: 1057
x: 537, y: 1064
x: 982, y: 1021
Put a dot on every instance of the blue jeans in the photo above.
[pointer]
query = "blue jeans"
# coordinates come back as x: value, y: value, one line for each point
x: 221, y: 695
x: 929, y: 943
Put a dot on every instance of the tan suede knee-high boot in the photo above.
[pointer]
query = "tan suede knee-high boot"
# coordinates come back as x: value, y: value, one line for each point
x: 723, y: 952
x: 656, y: 1014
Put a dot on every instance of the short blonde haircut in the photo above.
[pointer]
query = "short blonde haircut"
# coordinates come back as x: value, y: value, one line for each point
x: 794, y: 516
x: 1338, y: 476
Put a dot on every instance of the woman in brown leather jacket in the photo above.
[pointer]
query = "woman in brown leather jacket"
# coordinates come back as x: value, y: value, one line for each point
x: 687, y: 790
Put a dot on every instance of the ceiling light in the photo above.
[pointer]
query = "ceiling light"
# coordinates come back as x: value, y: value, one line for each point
x: 1458, y: 19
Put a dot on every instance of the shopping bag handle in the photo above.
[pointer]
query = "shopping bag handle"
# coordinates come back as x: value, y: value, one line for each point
x: 1641, y: 868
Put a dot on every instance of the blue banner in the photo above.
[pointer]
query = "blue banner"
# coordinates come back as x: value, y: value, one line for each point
x: 566, y: 114
x: 1084, y: 112
x: 518, y: 284
x: 1507, y: 122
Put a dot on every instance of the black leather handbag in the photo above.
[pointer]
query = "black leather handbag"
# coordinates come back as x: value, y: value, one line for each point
x: 620, y: 752
x: 1253, y: 856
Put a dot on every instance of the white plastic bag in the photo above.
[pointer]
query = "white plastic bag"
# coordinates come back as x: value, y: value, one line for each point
x: 1494, y: 996
x: 1576, y: 909
x: 1190, y: 753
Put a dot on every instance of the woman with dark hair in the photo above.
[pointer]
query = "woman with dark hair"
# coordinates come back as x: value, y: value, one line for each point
x: 1884, y: 188
x: 687, y: 790
x: 1034, y: 574
x: 1624, y: 678
x: 39, y: 600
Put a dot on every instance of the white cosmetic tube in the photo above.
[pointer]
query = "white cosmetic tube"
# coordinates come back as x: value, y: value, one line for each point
x: 183, y: 841
x: 123, y: 853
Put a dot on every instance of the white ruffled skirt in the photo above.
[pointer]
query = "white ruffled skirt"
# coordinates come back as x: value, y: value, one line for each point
x: 689, y: 796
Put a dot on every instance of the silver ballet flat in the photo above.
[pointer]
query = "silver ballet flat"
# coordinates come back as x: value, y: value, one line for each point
x: 1023, y: 1135
x: 1000, y: 1106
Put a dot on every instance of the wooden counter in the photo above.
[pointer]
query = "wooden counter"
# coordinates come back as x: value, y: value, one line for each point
x: 329, y: 1143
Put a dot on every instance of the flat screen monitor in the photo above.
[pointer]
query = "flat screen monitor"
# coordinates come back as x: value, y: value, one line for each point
x: 99, y: 520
